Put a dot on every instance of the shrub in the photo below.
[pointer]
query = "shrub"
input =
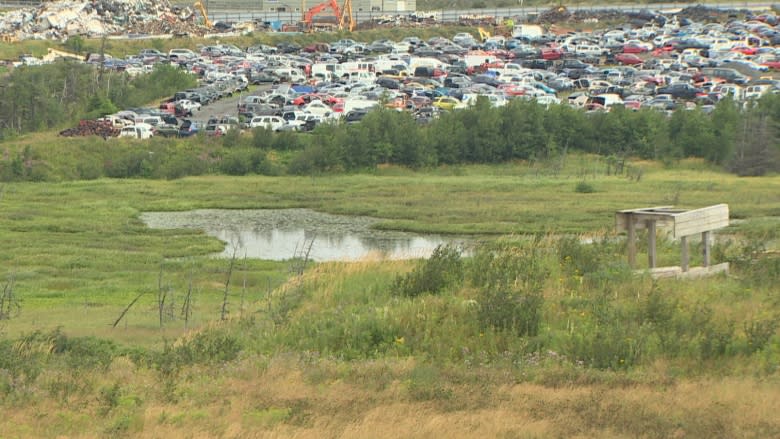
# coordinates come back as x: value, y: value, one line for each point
x: 510, y: 280
x: 584, y: 188
x: 242, y: 161
x: 441, y: 270
x: 511, y: 310
x: 758, y: 333
x: 209, y: 347
x: 507, y: 266
x: 86, y: 352
x: 231, y: 138
x: 262, y: 138
x: 606, y: 338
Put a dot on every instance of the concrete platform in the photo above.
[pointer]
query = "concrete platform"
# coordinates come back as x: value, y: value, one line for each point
x: 692, y: 273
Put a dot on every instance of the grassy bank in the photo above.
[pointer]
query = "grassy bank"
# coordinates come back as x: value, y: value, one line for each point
x: 542, y: 337
x: 81, y: 244
x: 122, y: 48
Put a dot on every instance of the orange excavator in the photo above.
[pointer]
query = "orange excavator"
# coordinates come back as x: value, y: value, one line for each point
x: 308, y: 16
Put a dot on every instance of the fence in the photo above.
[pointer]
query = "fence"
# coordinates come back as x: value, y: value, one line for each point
x: 268, y: 10
x: 275, y: 10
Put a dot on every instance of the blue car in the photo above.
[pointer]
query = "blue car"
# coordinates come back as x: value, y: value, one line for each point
x: 188, y: 128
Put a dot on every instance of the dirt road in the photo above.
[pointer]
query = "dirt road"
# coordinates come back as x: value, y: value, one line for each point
x: 226, y: 106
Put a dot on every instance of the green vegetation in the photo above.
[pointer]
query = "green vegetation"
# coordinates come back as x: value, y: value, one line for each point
x: 123, y: 48
x: 111, y: 329
x: 745, y: 143
x: 40, y: 98
x: 523, y: 328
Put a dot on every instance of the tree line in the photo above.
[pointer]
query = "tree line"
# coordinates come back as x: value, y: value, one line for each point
x: 39, y: 98
x: 741, y: 138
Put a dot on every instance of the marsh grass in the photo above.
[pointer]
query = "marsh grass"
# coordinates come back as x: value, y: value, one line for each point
x: 590, y: 349
x: 78, y: 253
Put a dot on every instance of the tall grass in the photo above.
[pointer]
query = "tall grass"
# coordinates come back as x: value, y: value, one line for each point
x: 80, y: 246
x: 548, y: 335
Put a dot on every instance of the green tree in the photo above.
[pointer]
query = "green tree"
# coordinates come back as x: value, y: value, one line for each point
x: 692, y: 133
x: 75, y: 44
x: 99, y: 106
x: 725, y: 120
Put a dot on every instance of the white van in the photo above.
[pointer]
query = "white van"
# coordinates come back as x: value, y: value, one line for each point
x: 756, y: 91
x: 137, y: 131
x: 274, y: 123
x: 605, y: 100
x: 116, y: 122
x: 361, y: 77
x: 289, y: 74
x: 588, y: 50
x: 148, y: 120
x: 181, y: 55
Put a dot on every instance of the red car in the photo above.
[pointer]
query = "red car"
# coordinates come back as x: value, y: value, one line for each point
x: 628, y: 59
x: 633, y: 104
x: 512, y: 89
x: 551, y: 53
x: 634, y: 48
x: 745, y: 50
x: 772, y: 64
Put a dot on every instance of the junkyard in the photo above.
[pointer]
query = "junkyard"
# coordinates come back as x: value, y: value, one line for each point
x: 688, y: 58
x: 389, y: 219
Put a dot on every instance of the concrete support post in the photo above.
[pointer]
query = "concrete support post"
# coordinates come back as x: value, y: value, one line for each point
x: 631, y: 229
x: 651, y: 262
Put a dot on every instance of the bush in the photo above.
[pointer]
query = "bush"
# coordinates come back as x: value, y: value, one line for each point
x: 441, y: 270
x: 759, y: 332
x: 510, y: 280
x: 86, y: 352
x: 211, y: 346
x: 517, y: 311
x: 606, y: 337
x: 242, y: 161
x: 584, y: 188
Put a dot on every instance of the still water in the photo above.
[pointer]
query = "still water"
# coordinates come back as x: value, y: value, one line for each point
x: 280, y: 234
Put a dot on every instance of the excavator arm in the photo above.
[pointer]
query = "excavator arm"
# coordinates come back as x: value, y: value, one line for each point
x: 308, y: 17
x: 206, y: 22
x: 346, y: 17
x: 483, y: 34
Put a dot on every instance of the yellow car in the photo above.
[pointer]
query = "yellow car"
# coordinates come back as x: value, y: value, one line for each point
x: 445, y: 103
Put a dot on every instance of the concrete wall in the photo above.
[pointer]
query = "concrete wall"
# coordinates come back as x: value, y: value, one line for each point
x: 294, y: 6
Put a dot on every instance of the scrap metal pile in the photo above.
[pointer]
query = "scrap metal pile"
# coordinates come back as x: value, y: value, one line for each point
x: 63, y: 18
x: 87, y: 127
x: 701, y: 13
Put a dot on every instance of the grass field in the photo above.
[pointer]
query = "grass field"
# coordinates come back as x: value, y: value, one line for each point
x: 80, y: 244
x: 353, y: 349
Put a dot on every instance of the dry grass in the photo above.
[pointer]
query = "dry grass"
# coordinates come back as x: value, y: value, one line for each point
x: 282, y: 401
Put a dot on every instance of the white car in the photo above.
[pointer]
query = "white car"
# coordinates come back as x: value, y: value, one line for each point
x: 401, y: 47
x: 181, y: 55
x: 274, y: 123
x: 318, y: 108
x: 547, y: 100
x: 300, y: 121
x: 186, y: 106
x: 137, y: 131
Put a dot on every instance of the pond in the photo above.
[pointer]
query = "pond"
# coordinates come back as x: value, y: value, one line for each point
x: 281, y: 234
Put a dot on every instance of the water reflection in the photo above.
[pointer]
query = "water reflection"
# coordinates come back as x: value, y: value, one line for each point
x: 279, y: 234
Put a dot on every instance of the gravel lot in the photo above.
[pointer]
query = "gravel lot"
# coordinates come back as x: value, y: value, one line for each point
x: 227, y: 106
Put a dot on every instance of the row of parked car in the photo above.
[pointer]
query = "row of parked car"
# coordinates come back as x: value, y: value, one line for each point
x: 661, y: 63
